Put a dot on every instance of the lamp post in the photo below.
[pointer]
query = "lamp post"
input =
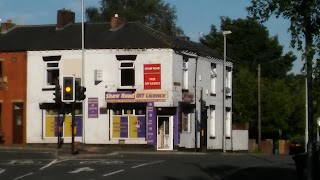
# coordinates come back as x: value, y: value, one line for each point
x: 83, y: 68
x: 225, y: 33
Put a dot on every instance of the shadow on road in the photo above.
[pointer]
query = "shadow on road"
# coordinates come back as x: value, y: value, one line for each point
x: 264, y: 173
x: 226, y: 172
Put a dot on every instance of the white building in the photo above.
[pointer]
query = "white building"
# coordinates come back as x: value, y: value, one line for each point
x: 140, y: 85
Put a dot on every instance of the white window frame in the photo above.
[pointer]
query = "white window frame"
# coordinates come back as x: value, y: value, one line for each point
x: 121, y: 68
x: 228, y: 122
x: 212, y: 121
x: 228, y: 82
x: 185, y: 75
x: 50, y: 68
x: 213, y: 79
x: 189, y: 123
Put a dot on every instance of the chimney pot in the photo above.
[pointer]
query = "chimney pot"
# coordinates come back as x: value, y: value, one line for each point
x: 65, y: 17
x: 7, y: 25
x: 117, y: 21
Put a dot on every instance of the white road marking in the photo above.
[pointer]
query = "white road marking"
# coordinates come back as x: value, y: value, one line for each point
x: 52, y: 162
x: 107, y: 162
x: 81, y: 169
x: 140, y: 165
x: 23, y: 176
x: 115, y: 172
x: 2, y: 170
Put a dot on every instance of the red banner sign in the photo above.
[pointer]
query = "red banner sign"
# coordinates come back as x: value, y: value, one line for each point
x: 152, y: 76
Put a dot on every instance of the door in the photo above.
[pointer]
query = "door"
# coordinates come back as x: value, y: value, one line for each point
x: 17, y: 123
x: 165, y: 132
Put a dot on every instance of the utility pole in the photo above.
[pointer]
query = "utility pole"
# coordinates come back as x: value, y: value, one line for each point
x: 259, y: 107
x: 306, y: 127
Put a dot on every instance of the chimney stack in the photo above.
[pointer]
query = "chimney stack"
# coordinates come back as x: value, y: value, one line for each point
x: 6, y: 25
x: 65, y: 17
x: 117, y: 21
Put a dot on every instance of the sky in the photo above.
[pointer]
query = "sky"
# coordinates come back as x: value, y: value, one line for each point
x: 195, y: 17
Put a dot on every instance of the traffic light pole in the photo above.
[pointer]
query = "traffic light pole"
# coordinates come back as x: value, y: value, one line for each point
x: 72, y: 128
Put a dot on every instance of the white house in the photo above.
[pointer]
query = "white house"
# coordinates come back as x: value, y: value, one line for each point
x: 143, y: 87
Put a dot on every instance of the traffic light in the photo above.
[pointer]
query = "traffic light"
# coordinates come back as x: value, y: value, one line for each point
x: 80, y: 92
x: 57, y: 94
x: 68, y: 89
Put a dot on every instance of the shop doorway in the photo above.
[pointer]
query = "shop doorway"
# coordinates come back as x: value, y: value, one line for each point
x: 165, y: 132
x: 17, y: 123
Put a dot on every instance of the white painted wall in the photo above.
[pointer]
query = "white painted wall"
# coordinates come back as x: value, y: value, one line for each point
x: 96, y: 130
x: 240, y: 140
x: 203, y: 82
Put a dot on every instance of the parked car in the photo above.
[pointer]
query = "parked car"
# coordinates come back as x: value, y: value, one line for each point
x: 297, y: 145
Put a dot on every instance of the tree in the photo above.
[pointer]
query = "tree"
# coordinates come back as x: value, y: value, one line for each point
x: 154, y: 13
x: 304, y: 17
x: 249, y: 45
x: 244, y: 97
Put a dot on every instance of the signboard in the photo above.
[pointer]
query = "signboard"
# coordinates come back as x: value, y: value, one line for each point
x: 93, y: 108
x: 151, y: 124
x: 138, y: 96
x: 152, y: 76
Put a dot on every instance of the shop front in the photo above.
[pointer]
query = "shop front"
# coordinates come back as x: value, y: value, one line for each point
x: 57, y: 123
x: 134, y: 119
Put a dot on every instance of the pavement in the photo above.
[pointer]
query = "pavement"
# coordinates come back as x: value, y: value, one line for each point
x: 85, y: 150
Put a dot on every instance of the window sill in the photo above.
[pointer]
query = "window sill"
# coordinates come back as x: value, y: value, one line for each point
x: 213, y: 94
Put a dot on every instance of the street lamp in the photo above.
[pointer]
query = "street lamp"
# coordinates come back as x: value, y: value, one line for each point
x: 225, y: 33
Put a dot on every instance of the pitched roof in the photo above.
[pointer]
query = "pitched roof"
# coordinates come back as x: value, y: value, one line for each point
x: 132, y: 35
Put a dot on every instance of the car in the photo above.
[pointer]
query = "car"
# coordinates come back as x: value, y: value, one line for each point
x: 297, y: 145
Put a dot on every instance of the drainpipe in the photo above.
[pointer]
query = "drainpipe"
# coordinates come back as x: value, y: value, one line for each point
x: 195, y: 104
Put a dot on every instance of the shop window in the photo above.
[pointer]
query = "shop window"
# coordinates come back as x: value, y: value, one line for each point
x: 129, y: 123
x: 185, y: 73
x: 213, y: 78
x: 185, y: 122
x: 212, y: 121
x: 52, y: 122
x: 228, y: 122
x: 127, y: 73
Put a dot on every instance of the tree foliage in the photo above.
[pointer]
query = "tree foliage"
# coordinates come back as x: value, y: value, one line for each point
x: 249, y: 45
x: 304, y: 27
x: 154, y: 13
x: 304, y: 17
x: 282, y: 94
